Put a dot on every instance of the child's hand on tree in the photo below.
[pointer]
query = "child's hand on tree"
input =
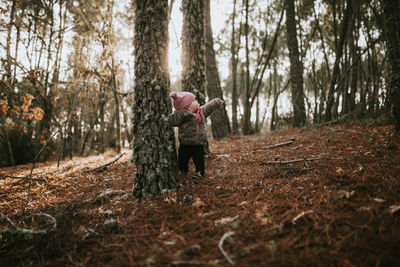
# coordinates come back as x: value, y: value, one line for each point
x: 222, y: 102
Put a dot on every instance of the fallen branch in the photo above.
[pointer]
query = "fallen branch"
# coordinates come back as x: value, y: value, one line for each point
x: 104, y: 167
x: 276, y: 145
x: 221, y: 243
x: 290, y: 161
x: 14, y: 233
x: 24, y: 178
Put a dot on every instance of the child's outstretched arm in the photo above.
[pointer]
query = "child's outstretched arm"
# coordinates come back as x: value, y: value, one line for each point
x: 212, y: 106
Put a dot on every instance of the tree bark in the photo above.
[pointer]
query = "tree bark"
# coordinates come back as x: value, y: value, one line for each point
x: 296, y: 67
x: 220, y: 126
x: 391, y: 10
x: 339, y: 53
x: 235, y: 126
x: 153, y: 147
x: 193, y: 49
x: 246, y: 126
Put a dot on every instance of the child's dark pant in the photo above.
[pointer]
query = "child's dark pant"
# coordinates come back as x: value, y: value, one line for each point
x: 196, y: 152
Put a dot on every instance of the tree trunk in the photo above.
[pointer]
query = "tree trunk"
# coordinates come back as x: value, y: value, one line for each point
x: 392, y: 22
x: 117, y: 119
x: 7, y: 66
x: 246, y: 127
x: 235, y: 97
x: 101, y: 134
x: 219, y: 120
x: 193, y: 49
x: 153, y: 147
x: 296, y: 67
x: 339, y: 52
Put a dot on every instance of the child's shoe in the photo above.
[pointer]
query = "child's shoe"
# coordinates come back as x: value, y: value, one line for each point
x: 198, y: 176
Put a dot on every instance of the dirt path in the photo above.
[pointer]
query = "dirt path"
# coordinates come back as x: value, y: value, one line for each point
x: 329, y: 198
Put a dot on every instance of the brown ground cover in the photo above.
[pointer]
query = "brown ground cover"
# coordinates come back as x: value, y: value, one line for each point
x: 338, y: 205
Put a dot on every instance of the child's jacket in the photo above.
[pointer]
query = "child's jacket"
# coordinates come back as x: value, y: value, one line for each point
x: 192, y: 126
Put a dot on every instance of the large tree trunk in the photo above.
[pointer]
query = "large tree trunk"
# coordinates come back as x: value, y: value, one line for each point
x: 296, y: 67
x: 219, y: 120
x: 193, y: 49
x: 391, y: 10
x: 153, y: 147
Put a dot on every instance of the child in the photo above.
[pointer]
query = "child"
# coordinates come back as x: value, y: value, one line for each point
x: 192, y: 132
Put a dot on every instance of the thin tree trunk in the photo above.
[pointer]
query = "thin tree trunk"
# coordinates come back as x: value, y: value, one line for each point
x: 235, y: 126
x: 117, y: 119
x: 246, y: 127
x: 7, y: 66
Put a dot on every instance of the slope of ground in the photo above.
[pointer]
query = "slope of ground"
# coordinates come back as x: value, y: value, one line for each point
x: 329, y: 197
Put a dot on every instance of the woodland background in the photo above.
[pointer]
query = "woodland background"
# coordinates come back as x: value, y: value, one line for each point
x: 63, y: 85
x: 303, y: 167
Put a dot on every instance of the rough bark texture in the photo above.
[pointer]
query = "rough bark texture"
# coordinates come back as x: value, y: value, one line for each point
x: 391, y: 10
x: 193, y: 49
x: 219, y: 120
x: 296, y: 67
x: 153, y: 147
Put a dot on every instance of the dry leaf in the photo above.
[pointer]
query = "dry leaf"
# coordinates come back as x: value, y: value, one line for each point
x: 197, y: 203
x: 339, y: 170
x: 243, y: 203
x: 226, y: 220
x: 262, y: 215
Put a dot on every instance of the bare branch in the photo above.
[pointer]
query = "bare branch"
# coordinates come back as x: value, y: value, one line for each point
x: 24, y: 178
x: 103, y: 167
x: 221, y: 243
x: 276, y: 145
x: 291, y: 161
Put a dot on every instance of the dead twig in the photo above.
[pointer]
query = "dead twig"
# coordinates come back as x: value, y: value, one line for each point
x: 291, y: 161
x: 221, y: 243
x: 24, y: 178
x: 104, y: 167
x: 275, y: 145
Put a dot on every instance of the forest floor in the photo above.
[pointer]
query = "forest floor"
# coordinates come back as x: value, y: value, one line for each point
x: 338, y: 205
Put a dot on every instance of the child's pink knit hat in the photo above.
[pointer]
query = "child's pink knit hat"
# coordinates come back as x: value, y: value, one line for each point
x: 182, y: 100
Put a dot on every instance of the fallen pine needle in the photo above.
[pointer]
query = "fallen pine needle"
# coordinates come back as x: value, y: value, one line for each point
x: 301, y: 215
